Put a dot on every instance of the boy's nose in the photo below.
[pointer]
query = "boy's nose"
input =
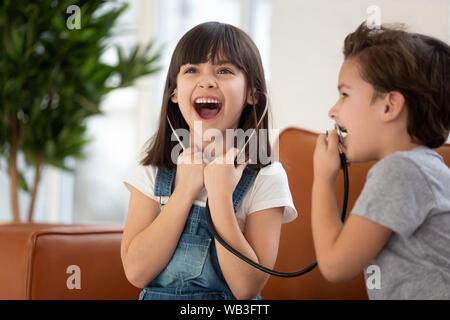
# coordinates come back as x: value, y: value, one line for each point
x: 333, y: 112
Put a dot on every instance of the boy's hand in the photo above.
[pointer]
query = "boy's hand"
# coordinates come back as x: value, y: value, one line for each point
x: 326, y: 157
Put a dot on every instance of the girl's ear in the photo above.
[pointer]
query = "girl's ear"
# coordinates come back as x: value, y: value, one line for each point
x: 394, y: 104
x: 250, y: 99
x: 173, y: 96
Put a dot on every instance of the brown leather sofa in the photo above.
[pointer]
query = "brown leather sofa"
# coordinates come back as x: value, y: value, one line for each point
x: 36, y: 259
x: 43, y: 261
x: 296, y: 147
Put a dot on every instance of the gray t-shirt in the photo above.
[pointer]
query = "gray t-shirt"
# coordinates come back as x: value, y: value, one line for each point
x: 409, y: 193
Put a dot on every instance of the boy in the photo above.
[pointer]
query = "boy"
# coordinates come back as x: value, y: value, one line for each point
x: 394, y: 107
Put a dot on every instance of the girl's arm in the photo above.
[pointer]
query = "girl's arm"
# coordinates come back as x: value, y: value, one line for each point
x: 261, y: 235
x: 149, y: 239
x: 342, y: 251
x: 259, y: 243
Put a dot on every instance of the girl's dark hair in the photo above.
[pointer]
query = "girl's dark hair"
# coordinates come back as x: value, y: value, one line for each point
x: 211, y: 41
x: 415, y: 65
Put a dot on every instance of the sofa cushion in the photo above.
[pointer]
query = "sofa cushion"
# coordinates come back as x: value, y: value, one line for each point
x: 44, y: 261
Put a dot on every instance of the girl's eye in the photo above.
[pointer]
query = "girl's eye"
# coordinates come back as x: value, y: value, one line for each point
x: 225, y: 71
x: 190, y: 70
x: 344, y: 95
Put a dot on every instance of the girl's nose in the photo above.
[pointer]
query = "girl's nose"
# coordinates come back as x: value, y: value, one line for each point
x: 207, y: 82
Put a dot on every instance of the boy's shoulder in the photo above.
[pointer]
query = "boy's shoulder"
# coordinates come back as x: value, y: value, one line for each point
x: 420, y: 161
x: 405, y: 188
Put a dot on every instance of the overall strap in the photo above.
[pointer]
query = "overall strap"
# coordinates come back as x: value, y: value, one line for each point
x: 165, y: 182
x: 248, y: 176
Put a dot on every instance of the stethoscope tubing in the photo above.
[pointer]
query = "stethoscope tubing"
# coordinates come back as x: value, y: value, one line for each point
x: 261, y: 267
x: 240, y: 255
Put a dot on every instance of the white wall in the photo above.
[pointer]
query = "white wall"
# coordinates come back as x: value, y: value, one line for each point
x: 306, y: 55
x: 305, y: 43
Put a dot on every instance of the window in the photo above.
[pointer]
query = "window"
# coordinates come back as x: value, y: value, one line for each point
x: 95, y: 193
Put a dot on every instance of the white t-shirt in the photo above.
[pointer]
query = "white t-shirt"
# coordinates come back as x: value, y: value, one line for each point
x: 270, y: 189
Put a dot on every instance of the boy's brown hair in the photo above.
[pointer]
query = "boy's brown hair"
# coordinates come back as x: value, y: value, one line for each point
x: 417, y: 66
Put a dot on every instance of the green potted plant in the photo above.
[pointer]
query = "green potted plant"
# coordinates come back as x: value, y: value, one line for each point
x: 52, y: 79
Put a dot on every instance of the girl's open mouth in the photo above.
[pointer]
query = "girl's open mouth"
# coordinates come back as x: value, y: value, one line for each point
x: 207, y: 108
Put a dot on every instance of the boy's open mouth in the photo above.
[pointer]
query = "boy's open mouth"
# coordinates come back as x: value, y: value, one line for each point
x: 207, y: 107
x: 343, y: 130
x: 342, y: 133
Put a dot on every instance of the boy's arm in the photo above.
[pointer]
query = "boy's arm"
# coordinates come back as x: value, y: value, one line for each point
x: 342, y: 251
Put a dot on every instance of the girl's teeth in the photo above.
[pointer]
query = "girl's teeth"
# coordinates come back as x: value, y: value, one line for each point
x: 207, y: 101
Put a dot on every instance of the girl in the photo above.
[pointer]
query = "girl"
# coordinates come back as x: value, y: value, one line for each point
x: 215, y: 79
x: 394, y: 106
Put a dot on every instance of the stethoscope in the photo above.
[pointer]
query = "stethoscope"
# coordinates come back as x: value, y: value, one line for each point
x: 240, y: 255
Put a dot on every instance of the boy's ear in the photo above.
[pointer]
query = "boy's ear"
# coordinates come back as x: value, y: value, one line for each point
x: 250, y: 99
x: 394, y: 104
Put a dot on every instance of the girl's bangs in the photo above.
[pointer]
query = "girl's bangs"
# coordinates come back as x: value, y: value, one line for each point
x: 203, y: 46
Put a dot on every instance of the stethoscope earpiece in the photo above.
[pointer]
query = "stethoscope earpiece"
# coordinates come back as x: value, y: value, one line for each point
x: 340, y: 137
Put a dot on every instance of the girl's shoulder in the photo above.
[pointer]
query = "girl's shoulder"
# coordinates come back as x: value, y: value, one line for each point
x: 148, y: 171
x: 271, y: 189
x: 271, y: 181
x: 142, y: 177
x: 273, y: 166
x: 273, y: 173
x: 271, y: 185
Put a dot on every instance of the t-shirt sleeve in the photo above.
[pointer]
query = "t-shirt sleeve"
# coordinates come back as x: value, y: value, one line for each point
x: 142, y: 178
x: 396, y: 195
x: 272, y: 190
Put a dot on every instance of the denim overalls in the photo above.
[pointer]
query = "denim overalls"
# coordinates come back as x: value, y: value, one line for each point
x: 193, y: 272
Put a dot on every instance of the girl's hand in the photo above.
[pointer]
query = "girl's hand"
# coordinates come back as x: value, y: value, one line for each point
x: 221, y: 176
x: 190, y: 168
x: 326, y: 157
